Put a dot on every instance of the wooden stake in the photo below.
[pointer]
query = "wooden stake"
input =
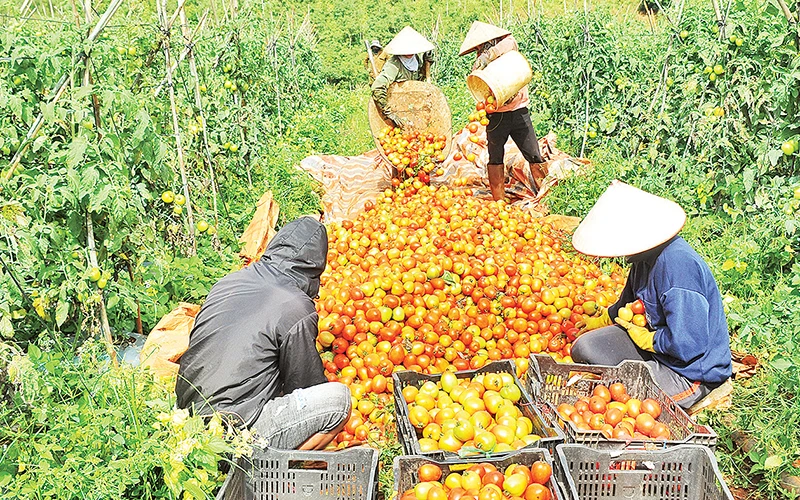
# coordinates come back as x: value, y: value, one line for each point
x: 160, y: 4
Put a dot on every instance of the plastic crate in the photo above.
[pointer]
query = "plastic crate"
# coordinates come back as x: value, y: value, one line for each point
x: 551, y: 435
x: 685, y: 472
x: 405, y: 468
x: 551, y: 383
x: 271, y: 474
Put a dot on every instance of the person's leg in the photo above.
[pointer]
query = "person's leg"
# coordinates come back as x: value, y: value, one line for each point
x: 683, y: 391
x: 305, y: 419
x: 524, y: 136
x: 496, y: 135
x: 609, y: 346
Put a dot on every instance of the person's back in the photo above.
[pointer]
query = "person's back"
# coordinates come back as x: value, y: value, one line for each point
x: 254, y: 338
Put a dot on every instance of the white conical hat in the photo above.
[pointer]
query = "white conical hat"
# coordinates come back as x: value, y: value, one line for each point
x: 408, y: 42
x: 627, y: 221
x: 480, y: 33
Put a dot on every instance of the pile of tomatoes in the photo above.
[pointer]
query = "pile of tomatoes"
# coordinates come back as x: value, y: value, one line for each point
x: 482, y: 481
x: 616, y: 414
x: 480, y: 413
x: 413, y: 153
x: 432, y: 279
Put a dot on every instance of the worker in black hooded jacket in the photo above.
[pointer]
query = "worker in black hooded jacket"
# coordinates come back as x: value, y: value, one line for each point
x: 252, y: 349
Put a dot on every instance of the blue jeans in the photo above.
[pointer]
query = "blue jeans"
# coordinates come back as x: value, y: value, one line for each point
x: 288, y: 421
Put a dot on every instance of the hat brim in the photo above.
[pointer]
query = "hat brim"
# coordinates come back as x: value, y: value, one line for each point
x: 480, y: 33
x: 408, y: 42
x: 627, y: 221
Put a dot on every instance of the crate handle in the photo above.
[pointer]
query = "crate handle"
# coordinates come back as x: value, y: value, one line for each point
x: 314, y: 465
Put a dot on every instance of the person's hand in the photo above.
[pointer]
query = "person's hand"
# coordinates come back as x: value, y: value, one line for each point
x: 392, y: 116
x: 594, y: 322
x: 484, y: 59
x: 641, y: 336
x: 428, y: 56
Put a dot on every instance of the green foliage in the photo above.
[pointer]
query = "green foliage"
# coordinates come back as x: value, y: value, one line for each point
x: 75, y: 427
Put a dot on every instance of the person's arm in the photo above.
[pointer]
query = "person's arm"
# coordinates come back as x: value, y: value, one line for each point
x: 381, y: 84
x: 685, y: 336
x: 299, y: 361
x: 507, y: 44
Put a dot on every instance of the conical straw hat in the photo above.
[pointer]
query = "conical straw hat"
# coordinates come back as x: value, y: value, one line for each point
x: 408, y: 42
x: 627, y: 221
x: 480, y: 33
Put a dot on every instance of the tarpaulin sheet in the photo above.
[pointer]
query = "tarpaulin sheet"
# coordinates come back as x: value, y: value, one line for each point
x: 350, y: 181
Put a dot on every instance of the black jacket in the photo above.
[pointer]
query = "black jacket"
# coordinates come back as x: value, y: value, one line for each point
x: 253, y: 339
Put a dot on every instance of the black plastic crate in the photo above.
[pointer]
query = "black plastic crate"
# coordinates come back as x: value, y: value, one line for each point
x: 551, y: 383
x: 405, y: 468
x: 685, y: 472
x: 271, y: 474
x: 551, y: 434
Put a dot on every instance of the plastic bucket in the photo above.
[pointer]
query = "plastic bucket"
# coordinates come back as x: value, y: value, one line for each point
x: 502, y: 78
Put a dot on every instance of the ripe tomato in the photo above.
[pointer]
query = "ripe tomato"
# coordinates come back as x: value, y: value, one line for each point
x: 541, y: 472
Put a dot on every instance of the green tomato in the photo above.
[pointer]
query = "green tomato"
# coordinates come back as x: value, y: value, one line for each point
x: 101, y: 283
x: 17, y: 80
x: 228, y: 84
x: 131, y: 51
x: 180, y: 200
x: 712, y: 77
x: 202, y: 226
x: 167, y: 197
x: 739, y: 42
x: 592, y: 134
x: 234, y: 148
x: 797, y: 193
x: 718, y: 69
x: 212, y: 230
x: 684, y: 35
x: 87, y: 124
x: 177, y: 210
x: 787, y: 148
x: 95, y: 274
x: 203, y: 88
x: 122, y: 51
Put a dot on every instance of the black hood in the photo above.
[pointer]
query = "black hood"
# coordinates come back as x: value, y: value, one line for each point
x: 299, y: 251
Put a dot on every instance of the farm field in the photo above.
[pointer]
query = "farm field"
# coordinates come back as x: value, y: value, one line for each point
x: 124, y: 187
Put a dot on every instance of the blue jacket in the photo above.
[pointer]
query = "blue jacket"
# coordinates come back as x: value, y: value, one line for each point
x: 684, y: 308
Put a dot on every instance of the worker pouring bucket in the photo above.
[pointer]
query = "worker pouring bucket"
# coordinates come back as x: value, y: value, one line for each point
x: 501, y: 78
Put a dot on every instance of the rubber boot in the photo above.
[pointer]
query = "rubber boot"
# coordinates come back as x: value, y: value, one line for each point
x: 497, y: 174
x: 538, y: 172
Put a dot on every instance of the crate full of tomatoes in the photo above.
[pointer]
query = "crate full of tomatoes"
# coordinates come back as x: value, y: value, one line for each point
x: 686, y: 472
x: 612, y: 407
x: 479, y: 412
x: 526, y: 475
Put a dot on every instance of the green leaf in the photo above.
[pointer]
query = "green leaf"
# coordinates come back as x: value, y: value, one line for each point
x: 62, y: 310
x: 76, y: 150
x: 773, y: 461
x: 781, y: 364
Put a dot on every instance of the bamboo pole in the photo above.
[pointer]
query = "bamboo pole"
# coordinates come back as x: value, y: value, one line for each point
x: 161, y: 6
x: 720, y: 19
x: 199, y: 103
x: 184, y: 53
x: 104, y: 326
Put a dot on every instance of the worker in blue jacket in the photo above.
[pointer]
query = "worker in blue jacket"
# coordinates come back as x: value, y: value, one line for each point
x: 685, y: 341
